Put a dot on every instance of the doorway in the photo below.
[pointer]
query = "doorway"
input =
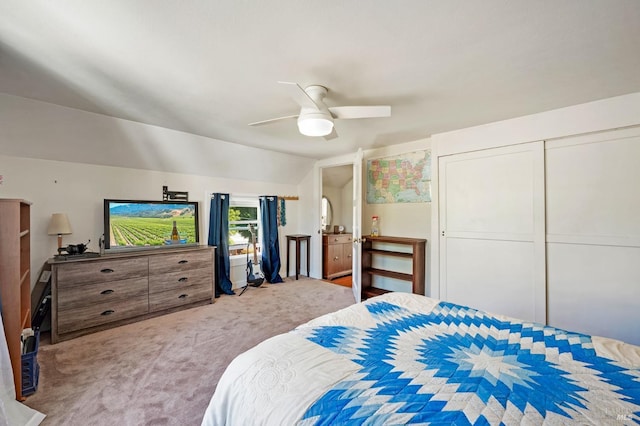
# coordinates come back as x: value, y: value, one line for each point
x: 337, y: 223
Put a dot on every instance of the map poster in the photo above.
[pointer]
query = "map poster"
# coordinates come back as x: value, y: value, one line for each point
x: 404, y: 178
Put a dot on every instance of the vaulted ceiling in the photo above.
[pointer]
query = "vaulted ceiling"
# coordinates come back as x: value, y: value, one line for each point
x: 211, y: 67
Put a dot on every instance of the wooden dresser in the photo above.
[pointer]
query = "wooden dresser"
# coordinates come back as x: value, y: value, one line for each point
x: 336, y: 255
x: 92, y: 294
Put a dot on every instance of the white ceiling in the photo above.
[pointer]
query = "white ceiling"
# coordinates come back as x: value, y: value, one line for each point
x: 211, y: 67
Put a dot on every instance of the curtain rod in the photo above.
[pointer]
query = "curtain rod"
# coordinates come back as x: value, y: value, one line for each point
x: 284, y: 197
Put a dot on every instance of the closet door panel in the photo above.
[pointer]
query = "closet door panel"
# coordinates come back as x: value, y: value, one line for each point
x: 494, y: 275
x: 491, y: 195
x: 593, y: 233
x: 492, y: 230
x: 593, y: 189
x: 595, y: 290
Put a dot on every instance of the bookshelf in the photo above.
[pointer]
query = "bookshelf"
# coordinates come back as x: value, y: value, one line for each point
x: 15, y: 278
x: 372, y: 246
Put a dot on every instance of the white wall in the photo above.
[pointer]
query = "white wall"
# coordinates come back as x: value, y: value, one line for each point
x: 341, y: 199
x: 35, y: 129
x: 334, y: 195
x: 346, y: 206
x: 79, y: 189
x: 308, y: 223
x: 398, y: 219
x: 611, y: 113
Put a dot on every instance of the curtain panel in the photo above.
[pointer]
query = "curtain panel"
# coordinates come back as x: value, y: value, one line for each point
x: 219, y: 237
x: 270, y: 244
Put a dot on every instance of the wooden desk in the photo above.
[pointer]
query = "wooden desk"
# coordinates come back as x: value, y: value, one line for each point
x: 298, y: 238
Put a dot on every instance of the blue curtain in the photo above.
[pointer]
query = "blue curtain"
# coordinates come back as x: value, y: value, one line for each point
x: 219, y: 237
x: 270, y: 245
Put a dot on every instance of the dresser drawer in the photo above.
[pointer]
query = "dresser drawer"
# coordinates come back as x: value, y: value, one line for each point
x: 180, y: 296
x: 79, y: 273
x: 181, y: 279
x: 164, y: 263
x: 82, y: 295
x: 101, y: 313
x: 337, y: 238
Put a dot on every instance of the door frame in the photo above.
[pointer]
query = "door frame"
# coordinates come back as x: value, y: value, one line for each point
x: 343, y: 160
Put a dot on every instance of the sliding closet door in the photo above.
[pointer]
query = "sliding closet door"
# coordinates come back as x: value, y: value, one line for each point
x: 593, y: 233
x: 492, y: 230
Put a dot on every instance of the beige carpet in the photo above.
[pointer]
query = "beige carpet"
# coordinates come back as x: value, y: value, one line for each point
x: 163, y: 371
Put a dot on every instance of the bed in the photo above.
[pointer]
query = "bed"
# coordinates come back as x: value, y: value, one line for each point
x: 406, y: 359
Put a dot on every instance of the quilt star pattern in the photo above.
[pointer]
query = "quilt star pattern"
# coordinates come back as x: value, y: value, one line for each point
x: 457, y: 365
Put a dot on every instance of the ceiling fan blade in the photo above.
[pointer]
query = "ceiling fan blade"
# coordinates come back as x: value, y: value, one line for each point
x: 374, y: 111
x: 331, y: 135
x: 271, y: 120
x: 298, y: 94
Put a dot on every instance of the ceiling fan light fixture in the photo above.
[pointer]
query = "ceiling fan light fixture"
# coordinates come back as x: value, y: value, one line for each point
x: 315, y: 126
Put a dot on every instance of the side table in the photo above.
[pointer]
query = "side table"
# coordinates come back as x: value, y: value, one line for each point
x: 298, y: 238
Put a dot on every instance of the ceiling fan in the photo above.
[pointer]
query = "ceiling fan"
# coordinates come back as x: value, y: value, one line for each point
x: 315, y: 118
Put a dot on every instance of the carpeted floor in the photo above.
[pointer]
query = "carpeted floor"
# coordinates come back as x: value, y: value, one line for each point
x: 163, y: 371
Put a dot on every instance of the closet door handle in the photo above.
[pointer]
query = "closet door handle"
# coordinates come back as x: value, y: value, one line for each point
x: 106, y: 291
x: 106, y: 270
x: 108, y: 312
x: 182, y: 262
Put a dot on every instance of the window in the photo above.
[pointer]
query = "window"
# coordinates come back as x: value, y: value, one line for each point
x: 244, y: 219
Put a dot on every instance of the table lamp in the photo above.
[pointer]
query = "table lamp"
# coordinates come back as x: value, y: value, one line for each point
x: 59, y: 225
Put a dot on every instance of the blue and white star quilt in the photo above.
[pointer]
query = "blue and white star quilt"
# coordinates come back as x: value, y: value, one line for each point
x: 405, y: 359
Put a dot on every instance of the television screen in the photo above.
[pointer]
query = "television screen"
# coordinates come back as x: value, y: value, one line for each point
x: 140, y: 224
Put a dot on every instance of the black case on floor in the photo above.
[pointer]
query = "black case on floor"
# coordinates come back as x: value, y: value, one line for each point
x: 43, y: 308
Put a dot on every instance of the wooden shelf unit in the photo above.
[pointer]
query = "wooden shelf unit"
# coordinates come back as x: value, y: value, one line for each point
x: 15, y: 279
x: 370, y: 248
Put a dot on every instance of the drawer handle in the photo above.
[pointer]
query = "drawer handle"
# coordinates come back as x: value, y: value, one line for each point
x: 106, y: 291
x: 182, y: 262
x: 336, y: 258
x: 106, y: 270
x: 183, y: 279
x: 335, y: 239
x: 183, y: 296
x: 108, y: 312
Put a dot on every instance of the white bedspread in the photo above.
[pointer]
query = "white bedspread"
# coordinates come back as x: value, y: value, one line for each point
x: 288, y: 378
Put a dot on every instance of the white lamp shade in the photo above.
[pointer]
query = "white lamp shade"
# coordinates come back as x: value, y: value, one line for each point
x: 315, y: 126
x: 59, y: 225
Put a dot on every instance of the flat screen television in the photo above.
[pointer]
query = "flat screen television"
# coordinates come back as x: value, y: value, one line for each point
x: 137, y: 224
